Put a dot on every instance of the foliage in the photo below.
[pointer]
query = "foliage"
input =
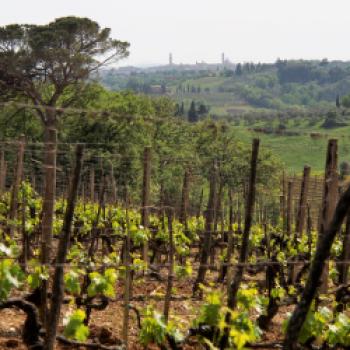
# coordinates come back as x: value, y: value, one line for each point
x: 323, y: 327
x: 154, y: 329
x: 38, y: 274
x: 102, y: 283
x: 11, y: 274
x: 69, y: 49
x: 241, y: 328
x: 75, y: 327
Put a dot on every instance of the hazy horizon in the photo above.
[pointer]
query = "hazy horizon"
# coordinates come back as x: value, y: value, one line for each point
x: 245, y: 30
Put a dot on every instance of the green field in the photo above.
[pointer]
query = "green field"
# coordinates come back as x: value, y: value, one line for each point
x: 297, y: 151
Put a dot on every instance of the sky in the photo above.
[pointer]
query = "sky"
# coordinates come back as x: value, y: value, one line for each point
x: 201, y: 30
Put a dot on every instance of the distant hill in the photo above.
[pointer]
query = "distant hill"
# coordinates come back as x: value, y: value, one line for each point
x: 229, y: 89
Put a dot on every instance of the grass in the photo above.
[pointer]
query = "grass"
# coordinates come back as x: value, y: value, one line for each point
x: 297, y: 151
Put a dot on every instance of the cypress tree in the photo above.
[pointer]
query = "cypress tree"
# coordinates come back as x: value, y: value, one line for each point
x: 192, y: 113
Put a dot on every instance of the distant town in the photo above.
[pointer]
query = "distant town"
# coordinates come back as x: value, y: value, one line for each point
x: 198, y: 66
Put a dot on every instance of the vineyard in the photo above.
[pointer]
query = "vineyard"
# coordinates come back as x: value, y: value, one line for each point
x: 127, y: 267
x: 125, y: 225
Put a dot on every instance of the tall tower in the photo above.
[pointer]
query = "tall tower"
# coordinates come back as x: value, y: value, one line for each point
x: 170, y: 59
x: 223, y: 59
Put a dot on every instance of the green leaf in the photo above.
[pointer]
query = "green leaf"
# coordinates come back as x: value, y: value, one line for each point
x: 72, y: 283
x: 75, y: 328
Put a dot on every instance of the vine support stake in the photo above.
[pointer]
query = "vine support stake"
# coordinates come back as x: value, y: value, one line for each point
x: 16, y: 184
x: 92, y: 185
x: 209, y: 222
x: 48, y: 209
x: 289, y: 207
x: 235, y: 284
x: 302, y: 209
x: 185, y: 198
x: 128, y: 280
x: 3, y: 170
x: 301, y: 216
x: 58, y: 280
x: 329, y: 199
x: 146, y: 196
x: 169, y: 286
x: 200, y: 204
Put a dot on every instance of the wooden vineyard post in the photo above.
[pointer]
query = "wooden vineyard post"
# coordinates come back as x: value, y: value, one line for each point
x: 302, y: 209
x: 235, y: 284
x: 16, y: 184
x: 239, y: 217
x: 95, y: 233
x: 3, y: 169
x: 218, y: 206
x: 217, y: 214
x: 48, y: 209
x: 209, y: 222
x: 25, y: 238
x: 83, y: 195
x: 146, y: 197
x: 283, y: 202
x: 230, y: 243
x: 114, y: 187
x: 282, y: 212
x: 185, y: 199
x: 289, y: 207
x: 92, y: 185
x: 128, y: 280
x: 68, y: 181
x: 229, y: 240
x: 161, y: 211
x: 269, y: 280
x: 33, y: 181
x: 200, y: 204
x: 329, y: 199
x: 58, y: 281
x: 224, y: 239
x: 169, y: 286
x: 301, y: 216
x: 309, y: 230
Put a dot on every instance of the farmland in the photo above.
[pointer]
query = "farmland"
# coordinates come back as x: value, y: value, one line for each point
x: 128, y: 223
